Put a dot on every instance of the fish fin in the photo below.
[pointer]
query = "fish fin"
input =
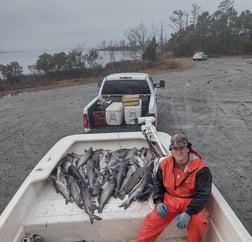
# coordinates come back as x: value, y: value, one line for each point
x: 91, y: 219
x: 51, y: 178
x: 121, y: 196
x: 115, y: 194
x: 97, y: 217
x: 67, y: 200
x: 99, y: 209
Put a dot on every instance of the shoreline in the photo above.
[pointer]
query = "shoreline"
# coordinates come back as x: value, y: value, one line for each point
x: 184, y: 63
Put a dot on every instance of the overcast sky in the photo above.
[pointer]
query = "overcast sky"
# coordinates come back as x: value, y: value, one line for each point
x: 66, y: 24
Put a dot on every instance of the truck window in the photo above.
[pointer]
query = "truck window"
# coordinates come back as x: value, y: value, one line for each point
x: 126, y: 87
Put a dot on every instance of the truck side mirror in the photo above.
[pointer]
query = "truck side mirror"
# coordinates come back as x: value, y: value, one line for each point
x: 162, y: 83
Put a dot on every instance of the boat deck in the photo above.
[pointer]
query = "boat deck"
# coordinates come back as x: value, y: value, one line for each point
x: 49, y: 215
x: 37, y: 208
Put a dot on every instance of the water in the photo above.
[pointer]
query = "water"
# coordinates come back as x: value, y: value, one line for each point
x: 29, y: 57
x: 24, y: 58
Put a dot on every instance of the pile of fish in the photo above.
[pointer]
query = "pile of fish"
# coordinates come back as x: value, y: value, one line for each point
x: 97, y: 175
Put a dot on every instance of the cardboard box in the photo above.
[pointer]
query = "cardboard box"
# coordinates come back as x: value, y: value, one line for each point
x: 131, y: 103
x: 114, y: 113
x: 130, y: 100
x: 134, y: 97
x: 99, y: 118
x: 132, y: 112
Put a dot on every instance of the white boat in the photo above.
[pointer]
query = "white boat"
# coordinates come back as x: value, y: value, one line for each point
x: 36, y: 209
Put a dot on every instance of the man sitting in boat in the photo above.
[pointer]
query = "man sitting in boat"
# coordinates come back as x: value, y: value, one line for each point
x: 182, y: 188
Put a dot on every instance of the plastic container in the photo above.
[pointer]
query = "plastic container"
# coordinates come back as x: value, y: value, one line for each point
x: 99, y: 118
x: 114, y: 113
x: 132, y: 112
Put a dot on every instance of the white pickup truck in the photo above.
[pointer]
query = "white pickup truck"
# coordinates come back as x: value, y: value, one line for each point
x: 107, y: 110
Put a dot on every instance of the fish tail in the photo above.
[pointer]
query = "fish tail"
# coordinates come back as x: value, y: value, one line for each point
x: 97, y: 217
x: 125, y: 204
x: 94, y: 217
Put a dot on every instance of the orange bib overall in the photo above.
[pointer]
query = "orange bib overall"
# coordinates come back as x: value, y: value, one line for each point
x: 181, y: 188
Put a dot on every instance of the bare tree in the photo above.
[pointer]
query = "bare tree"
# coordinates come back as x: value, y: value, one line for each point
x: 179, y: 20
x: 162, y: 37
x: 137, y: 38
x: 195, y: 13
x: 225, y: 6
x: 92, y: 57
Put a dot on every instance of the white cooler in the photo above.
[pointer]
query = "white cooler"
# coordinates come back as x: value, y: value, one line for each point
x: 132, y: 112
x: 114, y: 113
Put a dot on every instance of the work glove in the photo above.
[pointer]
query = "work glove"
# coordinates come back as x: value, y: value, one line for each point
x: 183, y: 220
x: 161, y: 209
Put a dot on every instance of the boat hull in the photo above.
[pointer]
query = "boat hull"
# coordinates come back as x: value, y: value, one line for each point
x: 37, y: 208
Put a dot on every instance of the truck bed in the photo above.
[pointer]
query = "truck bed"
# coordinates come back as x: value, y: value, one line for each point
x: 97, y: 126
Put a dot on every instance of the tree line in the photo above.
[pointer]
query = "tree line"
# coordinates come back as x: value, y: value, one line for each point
x: 60, y: 64
x: 225, y: 32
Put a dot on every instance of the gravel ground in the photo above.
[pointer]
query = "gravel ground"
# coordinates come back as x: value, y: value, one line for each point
x: 210, y: 102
